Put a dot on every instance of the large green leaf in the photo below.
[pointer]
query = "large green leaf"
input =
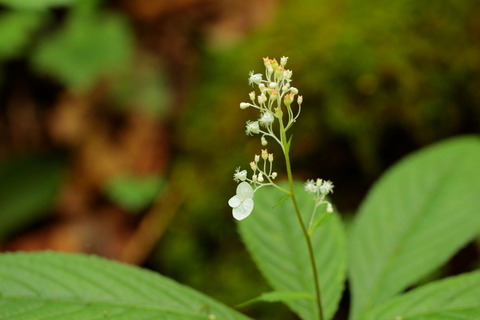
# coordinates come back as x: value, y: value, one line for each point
x: 416, y: 217
x: 275, y: 240
x: 65, y: 286
x: 453, y: 298
x: 28, y: 186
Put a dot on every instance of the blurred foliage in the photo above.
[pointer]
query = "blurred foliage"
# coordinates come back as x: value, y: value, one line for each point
x: 91, y: 44
x: 16, y: 28
x: 35, y: 4
x: 28, y: 187
x: 134, y: 193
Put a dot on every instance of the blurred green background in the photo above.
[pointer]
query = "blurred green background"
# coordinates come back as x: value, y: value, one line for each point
x: 120, y: 127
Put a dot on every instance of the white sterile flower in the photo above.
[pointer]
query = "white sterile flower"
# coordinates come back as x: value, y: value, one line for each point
x: 240, y: 175
x: 266, y: 119
x: 326, y: 187
x: 252, y: 127
x: 311, y: 187
x: 254, y: 78
x: 242, y: 202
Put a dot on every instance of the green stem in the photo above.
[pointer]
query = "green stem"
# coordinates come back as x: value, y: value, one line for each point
x: 301, y: 221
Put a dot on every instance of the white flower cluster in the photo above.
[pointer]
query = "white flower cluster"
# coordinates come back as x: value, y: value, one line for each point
x: 320, y: 188
x: 274, y: 90
x: 263, y: 175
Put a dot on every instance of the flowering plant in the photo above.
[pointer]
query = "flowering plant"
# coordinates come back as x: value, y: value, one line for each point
x: 412, y: 221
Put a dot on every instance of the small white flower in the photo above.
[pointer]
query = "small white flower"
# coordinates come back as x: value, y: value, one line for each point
x: 283, y: 61
x: 252, y: 96
x: 240, y: 175
x: 274, y: 175
x: 326, y: 187
x: 254, y: 78
x: 242, y: 202
x: 266, y: 119
x: 252, y: 127
x: 311, y: 187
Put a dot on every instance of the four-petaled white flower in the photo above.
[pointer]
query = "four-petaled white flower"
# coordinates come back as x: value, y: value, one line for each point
x: 242, y: 202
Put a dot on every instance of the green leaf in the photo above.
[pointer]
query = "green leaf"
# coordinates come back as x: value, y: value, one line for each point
x: 66, y: 286
x: 90, y: 46
x: 36, y: 4
x: 452, y: 298
x: 279, y: 296
x: 16, y: 30
x: 275, y: 240
x: 134, y: 193
x: 28, y: 186
x: 414, y: 219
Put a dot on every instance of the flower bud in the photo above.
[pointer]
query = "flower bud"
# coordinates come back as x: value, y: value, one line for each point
x: 252, y: 96
x: 288, y: 99
x: 293, y: 90
x: 274, y: 175
x: 262, y: 98
x: 244, y: 105
x: 261, y: 87
x: 263, y: 141
x: 264, y: 154
x: 283, y: 61
x: 272, y: 85
x: 270, y: 157
x: 285, y: 87
x: 253, y: 166
x: 257, y: 158
x: 300, y: 100
x: 260, y: 177
x: 274, y: 95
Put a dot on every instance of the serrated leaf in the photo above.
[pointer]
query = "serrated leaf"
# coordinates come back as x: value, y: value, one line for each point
x: 28, y: 186
x: 66, y: 286
x: 416, y: 217
x: 279, y: 296
x: 452, y: 298
x: 274, y: 238
x: 36, y: 4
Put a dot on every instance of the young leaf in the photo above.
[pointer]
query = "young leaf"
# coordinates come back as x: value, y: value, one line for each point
x: 448, y: 299
x: 66, y: 286
x: 274, y: 238
x: 416, y: 217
